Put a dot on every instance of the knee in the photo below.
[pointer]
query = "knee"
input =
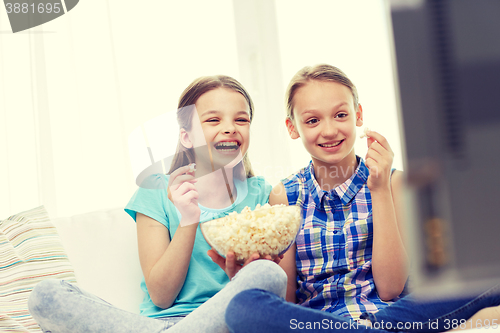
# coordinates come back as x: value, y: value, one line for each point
x: 268, y: 275
x: 252, y: 309
x: 248, y: 299
x: 43, y: 297
x: 241, y: 310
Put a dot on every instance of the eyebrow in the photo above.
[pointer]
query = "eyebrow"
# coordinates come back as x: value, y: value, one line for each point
x: 338, y: 106
x: 217, y: 112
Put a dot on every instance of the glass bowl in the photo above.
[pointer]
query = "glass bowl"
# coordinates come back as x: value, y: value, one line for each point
x: 267, y: 230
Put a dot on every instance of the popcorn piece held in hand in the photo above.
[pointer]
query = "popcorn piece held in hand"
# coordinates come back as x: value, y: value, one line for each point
x: 268, y: 230
x: 192, y: 167
x: 364, y: 135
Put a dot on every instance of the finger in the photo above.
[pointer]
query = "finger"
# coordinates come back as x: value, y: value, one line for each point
x: 386, y: 155
x: 186, y: 178
x: 376, y: 169
x: 187, y: 198
x: 374, y: 155
x: 179, y: 171
x: 277, y: 259
x: 371, y: 165
x: 185, y: 188
x: 369, y: 142
x: 231, y: 266
x: 181, y: 174
x: 174, y: 183
x: 216, y: 258
x: 253, y: 257
x: 193, y: 196
x: 380, y: 156
x: 376, y: 146
x: 380, y: 139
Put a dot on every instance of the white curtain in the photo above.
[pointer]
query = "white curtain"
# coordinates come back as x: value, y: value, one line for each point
x: 74, y: 89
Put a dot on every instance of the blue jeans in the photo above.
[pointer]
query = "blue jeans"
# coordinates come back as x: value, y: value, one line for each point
x: 259, y: 311
x: 58, y: 306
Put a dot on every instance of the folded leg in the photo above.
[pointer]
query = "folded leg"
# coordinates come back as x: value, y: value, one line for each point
x: 59, y: 306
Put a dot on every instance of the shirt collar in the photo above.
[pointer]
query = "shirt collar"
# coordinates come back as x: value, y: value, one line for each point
x: 345, y: 191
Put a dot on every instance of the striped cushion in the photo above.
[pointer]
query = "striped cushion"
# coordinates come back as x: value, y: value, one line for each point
x: 30, y: 251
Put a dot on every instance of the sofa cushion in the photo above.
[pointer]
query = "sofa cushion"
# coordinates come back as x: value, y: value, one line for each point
x: 30, y: 251
x: 102, y: 248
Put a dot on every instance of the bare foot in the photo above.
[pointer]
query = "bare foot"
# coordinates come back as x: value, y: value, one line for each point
x: 485, y: 318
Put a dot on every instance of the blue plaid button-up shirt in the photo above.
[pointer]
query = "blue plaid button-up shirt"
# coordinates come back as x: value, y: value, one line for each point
x: 334, y: 245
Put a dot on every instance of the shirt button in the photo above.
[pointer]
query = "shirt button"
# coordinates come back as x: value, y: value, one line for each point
x: 335, y: 231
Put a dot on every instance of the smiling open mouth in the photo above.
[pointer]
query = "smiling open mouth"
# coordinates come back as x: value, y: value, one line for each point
x: 227, y: 146
x: 330, y: 145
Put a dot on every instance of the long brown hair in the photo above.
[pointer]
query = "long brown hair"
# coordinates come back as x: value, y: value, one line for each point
x: 321, y: 72
x: 184, y: 156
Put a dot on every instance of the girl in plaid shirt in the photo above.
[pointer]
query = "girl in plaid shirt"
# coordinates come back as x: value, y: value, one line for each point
x: 349, y: 256
x: 349, y: 260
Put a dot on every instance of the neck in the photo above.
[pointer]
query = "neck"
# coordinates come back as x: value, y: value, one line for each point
x: 216, y: 189
x: 330, y: 176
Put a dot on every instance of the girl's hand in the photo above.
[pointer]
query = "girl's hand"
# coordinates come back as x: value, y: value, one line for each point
x: 229, y: 264
x: 379, y: 161
x: 184, y: 195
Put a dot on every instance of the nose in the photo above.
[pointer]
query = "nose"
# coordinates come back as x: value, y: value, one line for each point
x: 228, y: 128
x: 329, y: 129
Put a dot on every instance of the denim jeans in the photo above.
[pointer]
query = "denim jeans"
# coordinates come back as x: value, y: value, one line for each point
x: 260, y: 311
x: 60, y: 307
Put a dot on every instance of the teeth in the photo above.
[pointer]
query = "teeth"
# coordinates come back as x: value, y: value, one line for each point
x: 331, y: 145
x: 231, y: 145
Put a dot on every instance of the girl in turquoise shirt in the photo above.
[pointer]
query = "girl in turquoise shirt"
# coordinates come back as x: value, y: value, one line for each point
x: 182, y: 285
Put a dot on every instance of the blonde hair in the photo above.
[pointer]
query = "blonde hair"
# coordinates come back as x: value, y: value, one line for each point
x: 184, y: 156
x: 321, y: 72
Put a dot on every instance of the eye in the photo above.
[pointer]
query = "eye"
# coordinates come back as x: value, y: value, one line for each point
x: 342, y: 114
x: 312, y: 121
x: 243, y: 120
x: 212, y: 120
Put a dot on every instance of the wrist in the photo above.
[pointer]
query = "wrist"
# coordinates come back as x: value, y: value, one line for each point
x: 189, y: 222
x: 380, y: 190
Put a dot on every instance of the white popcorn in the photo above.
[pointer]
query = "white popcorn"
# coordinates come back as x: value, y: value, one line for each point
x: 268, y: 230
x: 364, y: 135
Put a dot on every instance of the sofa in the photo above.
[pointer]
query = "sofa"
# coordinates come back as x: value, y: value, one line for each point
x: 96, y: 250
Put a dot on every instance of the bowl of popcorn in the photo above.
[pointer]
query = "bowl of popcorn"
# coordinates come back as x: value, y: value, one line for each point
x: 267, y: 230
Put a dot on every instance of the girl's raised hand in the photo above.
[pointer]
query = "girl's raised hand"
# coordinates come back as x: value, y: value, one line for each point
x: 184, y: 195
x: 379, y: 161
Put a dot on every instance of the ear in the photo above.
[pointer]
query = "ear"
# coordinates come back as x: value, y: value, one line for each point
x: 291, y: 129
x: 359, y: 116
x: 184, y: 138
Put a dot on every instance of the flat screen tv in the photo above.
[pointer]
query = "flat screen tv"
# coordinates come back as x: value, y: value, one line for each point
x: 447, y: 60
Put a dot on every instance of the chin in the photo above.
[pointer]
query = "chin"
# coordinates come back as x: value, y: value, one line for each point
x: 227, y: 161
x: 329, y: 159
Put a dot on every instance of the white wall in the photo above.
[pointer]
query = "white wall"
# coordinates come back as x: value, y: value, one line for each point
x: 354, y: 36
x: 73, y: 89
